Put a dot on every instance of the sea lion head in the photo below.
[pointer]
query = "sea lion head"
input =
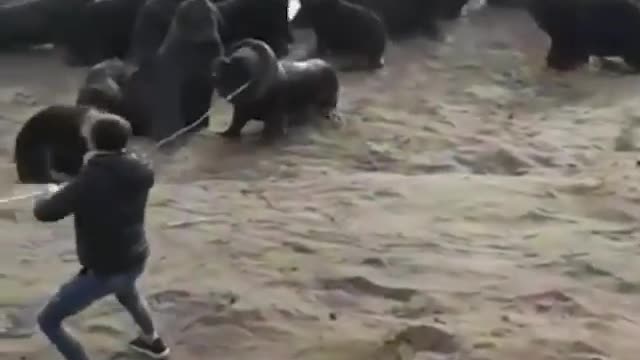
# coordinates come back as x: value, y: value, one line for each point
x: 105, y: 96
x: 248, y: 72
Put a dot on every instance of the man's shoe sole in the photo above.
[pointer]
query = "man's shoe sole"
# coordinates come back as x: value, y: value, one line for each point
x: 162, y: 355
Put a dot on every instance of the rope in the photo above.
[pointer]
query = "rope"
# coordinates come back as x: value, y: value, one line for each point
x: 181, y: 131
x: 201, y: 119
x: 21, y: 197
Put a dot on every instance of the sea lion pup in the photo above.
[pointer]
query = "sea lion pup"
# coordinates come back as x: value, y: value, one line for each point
x: 582, y: 28
x: 173, y: 89
x: 276, y: 92
x: 51, y: 140
x: 346, y: 29
x: 102, y: 87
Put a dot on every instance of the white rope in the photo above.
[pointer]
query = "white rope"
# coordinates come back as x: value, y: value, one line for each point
x: 155, y: 148
x: 181, y: 131
x: 237, y: 91
x: 21, y: 197
x: 201, y: 119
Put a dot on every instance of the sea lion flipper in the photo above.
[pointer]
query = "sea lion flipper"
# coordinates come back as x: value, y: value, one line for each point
x: 238, y: 122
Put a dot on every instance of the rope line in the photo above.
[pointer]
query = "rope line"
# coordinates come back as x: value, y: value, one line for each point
x: 181, y: 131
x: 21, y: 197
x: 201, y: 119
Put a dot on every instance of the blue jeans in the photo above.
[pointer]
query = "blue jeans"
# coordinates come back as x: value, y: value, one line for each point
x: 80, y: 292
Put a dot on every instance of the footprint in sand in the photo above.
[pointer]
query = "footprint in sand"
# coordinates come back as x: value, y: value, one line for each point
x: 298, y: 247
x: 420, y: 306
x: 374, y: 262
x: 553, y: 301
x: 169, y: 296
x: 364, y: 285
x: 429, y: 338
x: 20, y: 321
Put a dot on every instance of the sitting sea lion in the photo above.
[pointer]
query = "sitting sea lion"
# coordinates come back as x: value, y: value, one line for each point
x: 265, y: 20
x: 261, y: 87
x: 173, y: 88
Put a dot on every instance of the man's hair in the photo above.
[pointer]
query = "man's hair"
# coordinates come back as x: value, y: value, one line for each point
x: 109, y: 132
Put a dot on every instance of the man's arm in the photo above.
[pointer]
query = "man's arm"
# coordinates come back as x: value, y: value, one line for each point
x: 60, y: 204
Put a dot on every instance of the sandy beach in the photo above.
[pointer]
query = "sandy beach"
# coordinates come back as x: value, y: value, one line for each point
x: 472, y: 206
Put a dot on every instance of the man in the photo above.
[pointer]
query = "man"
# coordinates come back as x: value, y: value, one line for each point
x: 107, y: 200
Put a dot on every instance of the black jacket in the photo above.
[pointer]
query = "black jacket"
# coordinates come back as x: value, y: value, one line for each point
x: 108, y: 200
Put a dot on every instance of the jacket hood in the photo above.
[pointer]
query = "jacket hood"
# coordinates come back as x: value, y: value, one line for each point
x: 126, y: 169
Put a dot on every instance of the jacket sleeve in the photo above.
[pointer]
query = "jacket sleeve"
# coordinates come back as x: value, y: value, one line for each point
x: 59, y: 205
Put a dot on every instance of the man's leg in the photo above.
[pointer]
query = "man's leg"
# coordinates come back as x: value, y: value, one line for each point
x: 72, y: 297
x: 149, y: 342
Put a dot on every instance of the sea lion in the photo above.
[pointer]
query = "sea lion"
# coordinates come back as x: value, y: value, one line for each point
x: 173, y: 88
x: 261, y: 87
x: 238, y: 19
x: 402, y: 18
x: 346, y: 29
x: 582, y: 28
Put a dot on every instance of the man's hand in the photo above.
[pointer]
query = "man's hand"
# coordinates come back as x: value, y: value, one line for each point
x: 49, y: 190
x: 52, y: 204
x: 52, y: 188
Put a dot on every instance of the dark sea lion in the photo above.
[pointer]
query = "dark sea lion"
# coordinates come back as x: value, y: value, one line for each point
x: 346, y: 29
x: 173, y: 88
x: 261, y: 87
x: 239, y: 19
x: 402, y: 18
x: 582, y: 28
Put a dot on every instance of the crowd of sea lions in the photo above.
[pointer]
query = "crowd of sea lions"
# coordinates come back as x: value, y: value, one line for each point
x: 157, y: 63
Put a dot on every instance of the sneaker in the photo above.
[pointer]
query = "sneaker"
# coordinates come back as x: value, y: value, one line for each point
x: 155, y: 349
